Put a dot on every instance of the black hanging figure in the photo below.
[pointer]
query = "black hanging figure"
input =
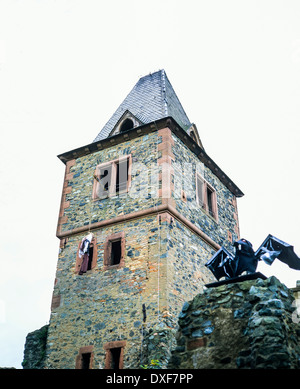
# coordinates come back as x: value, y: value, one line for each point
x: 224, y: 264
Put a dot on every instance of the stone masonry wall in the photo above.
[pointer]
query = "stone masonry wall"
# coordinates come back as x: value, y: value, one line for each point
x: 225, y: 230
x: 187, y: 274
x: 164, y: 256
x: 106, y: 305
x: 35, y: 349
x: 80, y: 210
x: 164, y: 266
x: 240, y: 325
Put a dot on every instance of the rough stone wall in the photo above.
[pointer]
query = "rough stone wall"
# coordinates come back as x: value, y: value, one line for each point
x: 35, y: 349
x: 106, y: 305
x: 186, y: 255
x: 241, y: 325
x: 163, y: 262
x: 78, y: 207
x: 157, y: 344
x: 164, y: 266
x: 182, y: 276
x: 225, y: 230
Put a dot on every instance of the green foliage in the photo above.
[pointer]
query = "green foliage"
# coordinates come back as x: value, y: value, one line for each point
x: 154, y: 364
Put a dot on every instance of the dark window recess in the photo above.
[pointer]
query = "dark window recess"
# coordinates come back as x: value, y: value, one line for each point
x: 126, y: 125
x: 122, y: 175
x: 210, y: 201
x: 115, y: 252
x: 115, y: 357
x: 91, y: 252
x: 85, y: 360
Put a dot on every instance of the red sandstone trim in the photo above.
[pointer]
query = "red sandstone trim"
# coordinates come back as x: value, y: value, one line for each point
x: 192, y: 227
x: 112, y: 189
x: 108, y: 356
x: 66, y: 189
x: 152, y: 127
x: 79, y: 260
x: 114, y: 220
x: 197, y: 343
x: 143, y: 213
x: 55, y: 303
x: 107, y: 250
x: 206, y: 185
x: 167, y: 170
x: 84, y: 350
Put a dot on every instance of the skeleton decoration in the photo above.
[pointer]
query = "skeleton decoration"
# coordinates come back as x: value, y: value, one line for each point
x: 84, y: 252
x: 224, y: 264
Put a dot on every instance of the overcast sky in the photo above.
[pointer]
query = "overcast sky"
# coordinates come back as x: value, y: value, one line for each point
x: 66, y: 65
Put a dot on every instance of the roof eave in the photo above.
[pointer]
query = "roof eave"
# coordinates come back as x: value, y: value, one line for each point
x: 151, y: 127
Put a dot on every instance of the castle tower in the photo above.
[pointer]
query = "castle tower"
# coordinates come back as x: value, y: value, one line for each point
x: 158, y: 208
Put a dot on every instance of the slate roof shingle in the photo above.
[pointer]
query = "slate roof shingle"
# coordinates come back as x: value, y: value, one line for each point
x: 152, y: 98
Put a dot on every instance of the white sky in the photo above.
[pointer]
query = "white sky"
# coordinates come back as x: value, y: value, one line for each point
x: 66, y: 65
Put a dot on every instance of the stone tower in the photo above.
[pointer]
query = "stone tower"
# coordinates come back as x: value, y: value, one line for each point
x: 158, y: 208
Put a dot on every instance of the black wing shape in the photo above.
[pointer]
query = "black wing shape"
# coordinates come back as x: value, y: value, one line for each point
x: 273, y: 248
x: 221, y: 264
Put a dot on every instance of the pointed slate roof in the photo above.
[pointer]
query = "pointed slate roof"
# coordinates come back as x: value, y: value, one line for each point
x: 152, y: 98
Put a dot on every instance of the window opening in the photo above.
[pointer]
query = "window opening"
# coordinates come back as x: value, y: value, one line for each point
x: 112, y: 178
x: 115, y: 358
x: 126, y: 125
x: 206, y: 197
x: 104, y: 174
x: 85, y: 360
x: 122, y: 175
x: 200, y: 192
x: 105, y: 181
x: 115, y: 252
x: 209, y: 201
x: 91, y: 252
x: 86, y: 254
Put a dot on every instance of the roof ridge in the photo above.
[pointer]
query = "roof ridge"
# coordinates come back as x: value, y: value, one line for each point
x: 164, y: 97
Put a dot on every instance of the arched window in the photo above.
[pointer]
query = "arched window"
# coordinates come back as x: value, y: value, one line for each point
x: 126, y: 125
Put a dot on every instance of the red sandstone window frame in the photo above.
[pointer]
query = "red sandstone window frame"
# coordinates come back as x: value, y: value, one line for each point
x: 203, y: 191
x: 94, y: 259
x: 112, y: 181
x: 55, y: 303
x: 79, y: 357
x: 108, y: 251
x: 108, y: 354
